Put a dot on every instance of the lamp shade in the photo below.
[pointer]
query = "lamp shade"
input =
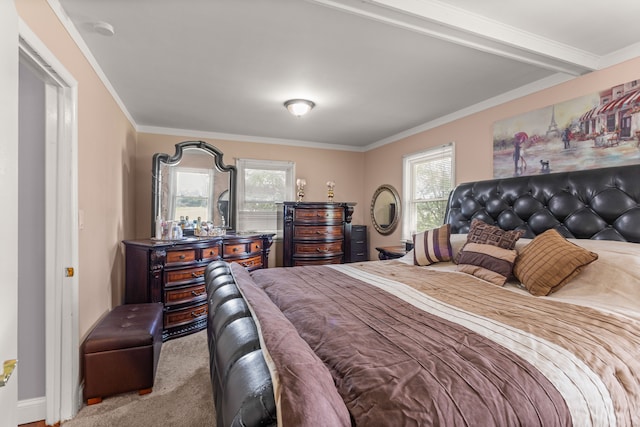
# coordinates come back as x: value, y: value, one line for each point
x: 299, y: 107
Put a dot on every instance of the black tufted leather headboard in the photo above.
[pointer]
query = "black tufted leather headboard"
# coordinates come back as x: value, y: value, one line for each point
x: 599, y: 204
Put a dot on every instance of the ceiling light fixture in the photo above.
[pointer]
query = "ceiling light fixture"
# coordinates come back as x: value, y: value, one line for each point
x: 299, y: 107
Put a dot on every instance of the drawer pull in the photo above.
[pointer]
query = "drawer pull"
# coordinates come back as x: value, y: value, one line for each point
x: 197, y: 313
x: 212, y: 253
x: 182, y: 256
x: 197, y: 294
x: 194, y: 274
x: 235, y: 249
x: 319, y: 232
x: 322, y: 250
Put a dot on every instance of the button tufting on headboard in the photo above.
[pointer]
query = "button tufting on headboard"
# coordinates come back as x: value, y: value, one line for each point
x: 599, y: 204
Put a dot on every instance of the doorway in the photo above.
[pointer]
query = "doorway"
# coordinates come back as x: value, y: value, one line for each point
x: 31, y: 251
x: 57, y: 235
x: 625, y: 124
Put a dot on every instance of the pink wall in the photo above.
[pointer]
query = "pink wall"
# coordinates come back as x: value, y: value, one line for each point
x: 106, y: 145
x: 473, y: 136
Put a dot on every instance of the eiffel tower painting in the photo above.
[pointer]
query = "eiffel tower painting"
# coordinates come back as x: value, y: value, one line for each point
x: 546, y: 149
x: 553, y: 126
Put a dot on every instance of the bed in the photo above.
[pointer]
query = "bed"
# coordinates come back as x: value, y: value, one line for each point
x: 522, y: 309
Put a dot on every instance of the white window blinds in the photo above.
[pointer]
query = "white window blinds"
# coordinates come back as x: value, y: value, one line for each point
x: 428, y: 178
x: 262, y: 184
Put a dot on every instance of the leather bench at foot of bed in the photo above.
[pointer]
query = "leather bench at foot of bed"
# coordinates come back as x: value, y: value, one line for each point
x: 121, y: 353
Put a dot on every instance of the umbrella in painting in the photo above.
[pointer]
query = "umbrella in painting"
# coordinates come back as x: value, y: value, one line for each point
x: 521, y: 137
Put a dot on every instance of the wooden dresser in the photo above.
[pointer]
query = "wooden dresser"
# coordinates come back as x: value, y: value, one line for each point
x: 172, y: 272
x: 315, y: 233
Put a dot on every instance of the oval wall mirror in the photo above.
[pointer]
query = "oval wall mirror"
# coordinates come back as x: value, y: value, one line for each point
x: 385, y: 209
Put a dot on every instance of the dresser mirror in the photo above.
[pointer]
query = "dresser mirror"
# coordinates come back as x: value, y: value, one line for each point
x: 193, y: 183
x: 385, y: 209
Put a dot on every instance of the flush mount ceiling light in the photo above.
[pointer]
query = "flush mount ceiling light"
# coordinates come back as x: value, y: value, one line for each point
x: 299, y: 107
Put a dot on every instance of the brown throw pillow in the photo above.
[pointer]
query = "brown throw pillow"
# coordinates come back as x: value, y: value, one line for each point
x: 488, y: 262
x: 432, y: 246
x: 549, y: 262
x: 481, y: 232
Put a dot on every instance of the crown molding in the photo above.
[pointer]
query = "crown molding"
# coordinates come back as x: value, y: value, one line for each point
x: 189, y: 133
x: 534, y: 87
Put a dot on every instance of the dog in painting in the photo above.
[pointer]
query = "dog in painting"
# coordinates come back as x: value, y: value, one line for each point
x: 544, y: 165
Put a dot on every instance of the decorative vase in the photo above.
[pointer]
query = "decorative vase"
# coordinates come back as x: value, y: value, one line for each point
x: 300, y: 183
x: 330, y: 186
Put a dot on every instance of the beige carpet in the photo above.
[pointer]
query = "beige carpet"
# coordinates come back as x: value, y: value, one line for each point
x: 182, y: 394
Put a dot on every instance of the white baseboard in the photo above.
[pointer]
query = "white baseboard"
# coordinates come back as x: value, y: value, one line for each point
x: 31, y: 410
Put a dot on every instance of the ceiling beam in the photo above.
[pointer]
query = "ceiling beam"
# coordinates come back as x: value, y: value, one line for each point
x: 455, y: 25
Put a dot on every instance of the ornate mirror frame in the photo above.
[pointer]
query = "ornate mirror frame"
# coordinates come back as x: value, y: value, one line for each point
x: 162, y: 159
x: 386, y: 209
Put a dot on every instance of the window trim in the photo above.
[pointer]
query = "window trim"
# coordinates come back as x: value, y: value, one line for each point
x: 288, y: 167
x: 408, y: 161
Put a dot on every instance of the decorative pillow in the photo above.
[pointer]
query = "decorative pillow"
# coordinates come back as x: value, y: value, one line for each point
x: 488, y: 262
x: 549, y: 262
x: 432, y: 246
x: 481, y: 232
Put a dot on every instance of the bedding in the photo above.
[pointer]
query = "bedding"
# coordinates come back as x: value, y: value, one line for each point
x: 414, y: 345
x: 391, y: 343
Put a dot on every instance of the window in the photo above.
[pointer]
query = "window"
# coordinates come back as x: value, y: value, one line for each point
x: 428, y: 180
x: 192, y: 193
x: 262, y: 184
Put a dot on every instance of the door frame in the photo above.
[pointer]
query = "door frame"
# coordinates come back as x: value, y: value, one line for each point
x: 9, y: 211
x: 63, y: 393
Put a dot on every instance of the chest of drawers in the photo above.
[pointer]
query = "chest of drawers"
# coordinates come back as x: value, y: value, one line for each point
x: 359, y: 245
x: 172, y: 272
x: 315, y: 233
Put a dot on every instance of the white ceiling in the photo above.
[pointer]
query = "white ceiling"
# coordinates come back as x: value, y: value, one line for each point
x: 377, y: 70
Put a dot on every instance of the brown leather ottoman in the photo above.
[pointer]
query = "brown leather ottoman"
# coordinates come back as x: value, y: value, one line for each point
x: 121, y: 353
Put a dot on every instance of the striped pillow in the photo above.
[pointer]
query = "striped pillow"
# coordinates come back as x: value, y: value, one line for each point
x: 481, y: 232
x: 549, y: 262
x: 488, y: 262
x: 432, y: 246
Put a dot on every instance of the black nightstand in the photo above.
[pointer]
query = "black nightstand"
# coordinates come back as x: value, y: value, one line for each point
x: 359, y: 245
